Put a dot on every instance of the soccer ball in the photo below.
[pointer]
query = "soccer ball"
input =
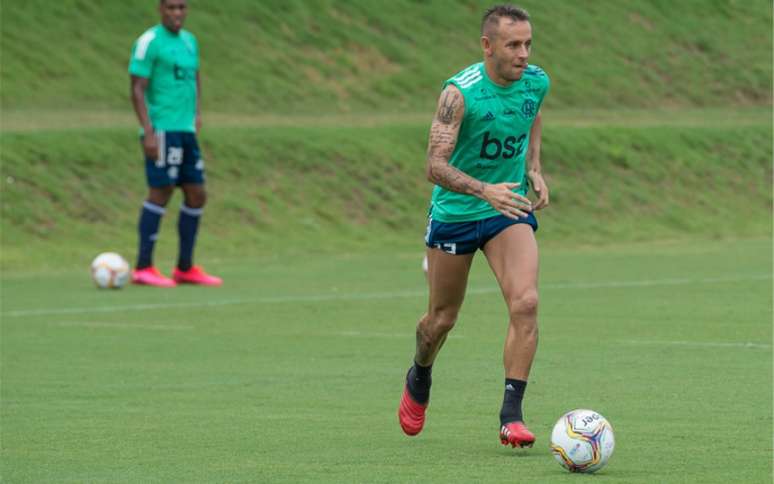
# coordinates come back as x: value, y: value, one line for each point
x: 582, y: 441
x: 110, y: 270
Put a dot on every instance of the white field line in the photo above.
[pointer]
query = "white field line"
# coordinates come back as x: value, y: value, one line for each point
x: 373, y: 334
x: 700, y: 344
x: 98, y: 324
x: 369, y: 296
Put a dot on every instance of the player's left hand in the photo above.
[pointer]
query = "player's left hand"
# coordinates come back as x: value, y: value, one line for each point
x: 540, y: 188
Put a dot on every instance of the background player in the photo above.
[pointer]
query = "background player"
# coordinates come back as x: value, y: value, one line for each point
x: 486, y: 127
x: 166, y: 92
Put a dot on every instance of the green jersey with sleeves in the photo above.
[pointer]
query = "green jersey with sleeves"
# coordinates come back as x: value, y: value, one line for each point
x: 170, y: 62
x: 493, y: 138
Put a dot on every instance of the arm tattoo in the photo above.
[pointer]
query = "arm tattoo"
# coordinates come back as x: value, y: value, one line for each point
x: 443, y: 140
x: 457, y: 181
x: 448, y: 107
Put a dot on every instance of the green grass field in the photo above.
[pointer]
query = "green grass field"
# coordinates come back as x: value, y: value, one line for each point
x: 292, y: 371
x: 656, y: 275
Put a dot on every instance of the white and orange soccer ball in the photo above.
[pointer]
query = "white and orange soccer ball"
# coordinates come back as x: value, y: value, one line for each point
x: 582, y: 441
x: 110, y: 270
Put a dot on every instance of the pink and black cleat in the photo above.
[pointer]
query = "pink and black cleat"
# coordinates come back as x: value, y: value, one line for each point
x: 195, y: 275
x: 150, y: 276
x: 516, y: 434
x: 411, y: 414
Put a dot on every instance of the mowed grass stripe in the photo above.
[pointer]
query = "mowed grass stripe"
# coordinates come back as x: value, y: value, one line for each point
x: 375, y: 295
x: 307, y: 392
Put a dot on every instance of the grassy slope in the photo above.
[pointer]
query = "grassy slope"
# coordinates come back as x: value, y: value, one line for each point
x: 340, y: 188
x: 362, y: 55
x: 354, y: 176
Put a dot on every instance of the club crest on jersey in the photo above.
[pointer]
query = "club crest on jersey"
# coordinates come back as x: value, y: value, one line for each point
x: 528, y: 108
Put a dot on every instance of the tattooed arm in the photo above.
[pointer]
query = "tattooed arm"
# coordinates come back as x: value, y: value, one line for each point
x: 443, y: 139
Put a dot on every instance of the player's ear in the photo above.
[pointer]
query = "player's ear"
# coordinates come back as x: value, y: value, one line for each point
x: 486, y: 45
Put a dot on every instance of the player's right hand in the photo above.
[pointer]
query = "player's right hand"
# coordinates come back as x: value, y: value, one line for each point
x: 150, y: 145
x: 504, y: 200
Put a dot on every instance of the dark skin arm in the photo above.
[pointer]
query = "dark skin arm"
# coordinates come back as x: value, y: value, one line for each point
x: 444, y: 132
x: 149, y: 142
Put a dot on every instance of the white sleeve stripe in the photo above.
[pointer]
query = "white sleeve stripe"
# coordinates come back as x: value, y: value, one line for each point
x: 143, y: 43
x: 463, y: 79
x: 470, y: 82
x: 467, y: 72
x: 466, y: 78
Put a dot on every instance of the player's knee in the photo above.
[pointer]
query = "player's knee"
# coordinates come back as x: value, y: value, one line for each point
x: 524, y: 304
x: 160, y: 196
x: 196, y: 200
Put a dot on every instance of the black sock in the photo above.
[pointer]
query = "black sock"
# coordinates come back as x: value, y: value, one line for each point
x: 514, y: 392
x: 418, y: 381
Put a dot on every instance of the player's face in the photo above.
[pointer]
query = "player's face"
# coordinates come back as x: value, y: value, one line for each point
x: 510, y: 47
x: 173, y: 14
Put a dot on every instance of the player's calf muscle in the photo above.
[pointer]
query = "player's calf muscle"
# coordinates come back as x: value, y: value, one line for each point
x: 430, y: 335
x: 439, y: 322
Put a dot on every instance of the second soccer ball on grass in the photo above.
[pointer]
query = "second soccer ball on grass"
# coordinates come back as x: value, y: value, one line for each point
x: 110, y: 270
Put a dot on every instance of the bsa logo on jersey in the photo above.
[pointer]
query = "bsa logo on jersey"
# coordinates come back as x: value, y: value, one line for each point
x: 529, y: 108
x: 183, y: 73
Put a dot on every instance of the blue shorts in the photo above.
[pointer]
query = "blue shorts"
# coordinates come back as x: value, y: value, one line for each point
x: 179, y: 160
x: 468, y: 237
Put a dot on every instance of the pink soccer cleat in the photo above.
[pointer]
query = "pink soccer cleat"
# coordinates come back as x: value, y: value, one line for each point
x: 150, y: 276
x: 195, y: 275
x: 516, y: 434
x: 411, y: 414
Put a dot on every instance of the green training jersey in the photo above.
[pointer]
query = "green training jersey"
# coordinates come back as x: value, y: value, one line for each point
x: 493, y: 138
x: 170, y: 62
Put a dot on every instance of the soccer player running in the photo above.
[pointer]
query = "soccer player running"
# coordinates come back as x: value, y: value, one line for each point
x: 166, y: 93
x: 483, y: 154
